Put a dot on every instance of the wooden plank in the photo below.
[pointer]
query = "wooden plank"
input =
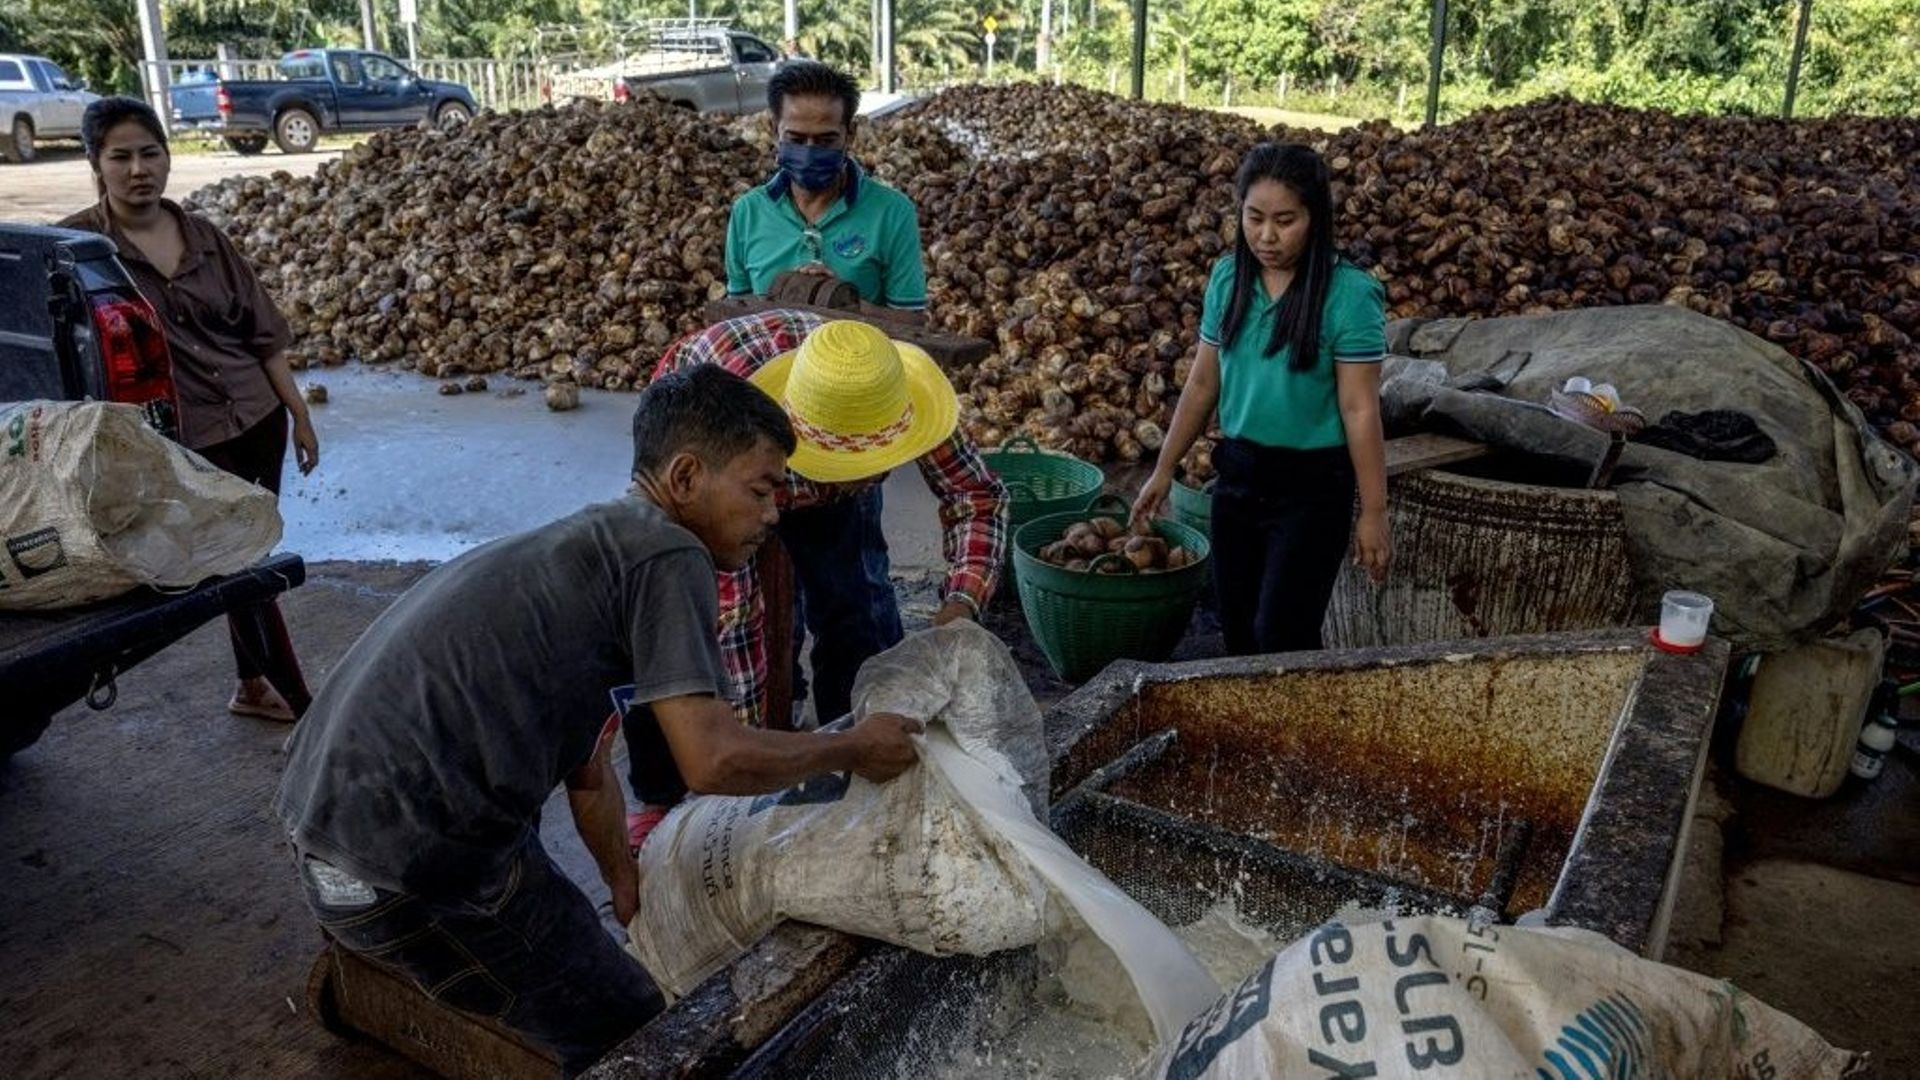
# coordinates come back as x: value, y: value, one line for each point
x: 950, y: 351
x: 725, y: 1018
x: 1413, y: 453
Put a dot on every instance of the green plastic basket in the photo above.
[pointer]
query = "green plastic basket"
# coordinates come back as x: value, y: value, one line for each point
x: 1042, y: 482
x: 1084, y: 621
x: 1193, y: 506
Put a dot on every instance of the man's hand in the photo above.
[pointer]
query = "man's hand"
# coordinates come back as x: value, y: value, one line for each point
x: 625, y: 885
x: 951, y: 610
x: 885, y: 745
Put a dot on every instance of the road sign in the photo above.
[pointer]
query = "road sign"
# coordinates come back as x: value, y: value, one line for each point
x: 990, y: 39
x: 409, y: 11
x: 990, y: 23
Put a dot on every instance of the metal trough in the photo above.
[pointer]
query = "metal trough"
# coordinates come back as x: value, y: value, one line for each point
x: 1554, y: 772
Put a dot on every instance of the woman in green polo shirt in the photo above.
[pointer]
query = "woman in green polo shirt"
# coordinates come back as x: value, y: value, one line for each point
x: 1291, y: 337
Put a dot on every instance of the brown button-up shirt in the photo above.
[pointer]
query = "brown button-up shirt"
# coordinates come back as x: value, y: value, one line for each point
x: 220, y: 323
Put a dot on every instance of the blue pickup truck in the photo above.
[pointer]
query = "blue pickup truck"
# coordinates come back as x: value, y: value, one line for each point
x: 319, y: 90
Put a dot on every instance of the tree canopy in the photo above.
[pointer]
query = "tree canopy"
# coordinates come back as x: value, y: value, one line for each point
x: 1711, y: 55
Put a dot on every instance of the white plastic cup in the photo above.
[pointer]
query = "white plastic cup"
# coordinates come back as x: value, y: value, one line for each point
x: 1683, y: 620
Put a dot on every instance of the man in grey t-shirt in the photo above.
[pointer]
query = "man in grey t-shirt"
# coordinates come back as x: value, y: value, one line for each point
x: 414, y: 782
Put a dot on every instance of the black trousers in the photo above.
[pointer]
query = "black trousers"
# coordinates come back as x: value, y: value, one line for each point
x: 261, y: 645
x: 1282, y: 520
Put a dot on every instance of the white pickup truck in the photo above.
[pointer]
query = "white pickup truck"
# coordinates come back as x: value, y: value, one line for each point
x: 37, y: 101
x: 702, y: 65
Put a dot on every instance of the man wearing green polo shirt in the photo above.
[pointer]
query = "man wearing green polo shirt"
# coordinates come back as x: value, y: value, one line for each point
x: 820, y: 211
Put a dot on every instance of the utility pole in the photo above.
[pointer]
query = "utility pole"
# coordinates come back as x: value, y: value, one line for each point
x: 792, y: 23
x: 1139, y: 46
x: 1434, y: 59
x: 889, y: 74
x: 1043, y: 53
x: 1799, y: 53
x: 367, y: 39
x: 410, y: 14
x: 155, y: 77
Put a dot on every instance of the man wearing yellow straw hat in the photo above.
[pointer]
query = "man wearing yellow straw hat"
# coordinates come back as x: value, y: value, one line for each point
x: 860, y: 405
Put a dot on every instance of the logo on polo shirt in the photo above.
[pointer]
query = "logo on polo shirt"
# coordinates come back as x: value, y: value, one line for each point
x: 850, y: 247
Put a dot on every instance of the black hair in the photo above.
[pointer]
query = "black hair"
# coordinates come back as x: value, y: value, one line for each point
x: 108, y: 113
x: 707, y: 411
x: 811, y: 78
x: 1298, y: 324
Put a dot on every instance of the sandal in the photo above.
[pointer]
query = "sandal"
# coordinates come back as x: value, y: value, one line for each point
x: 278, y: 711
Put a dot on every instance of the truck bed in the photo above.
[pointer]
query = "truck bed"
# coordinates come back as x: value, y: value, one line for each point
x: 49, y: 659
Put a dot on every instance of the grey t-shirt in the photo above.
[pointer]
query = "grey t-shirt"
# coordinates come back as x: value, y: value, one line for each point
x: 423, y: 761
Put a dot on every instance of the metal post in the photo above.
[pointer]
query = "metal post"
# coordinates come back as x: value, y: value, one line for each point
x: 1799, y: 53
x: 1434, y: 60
x: 791, y: 25
x: 1139, y: 47
x: 1043, y: 52
x: 153, y: 42
x: 367, y: 39
x: 224, y: 53
x: 889, y: 73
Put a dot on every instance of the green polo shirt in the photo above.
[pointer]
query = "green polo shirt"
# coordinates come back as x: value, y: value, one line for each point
x: 1264, y: 400
x: 869, y: 237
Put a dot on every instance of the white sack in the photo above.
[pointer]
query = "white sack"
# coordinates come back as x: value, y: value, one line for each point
x: 93, y: 502
x: 1437, y: 997
x: 906, y: 862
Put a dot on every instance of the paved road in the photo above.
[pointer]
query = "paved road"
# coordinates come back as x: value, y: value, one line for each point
x: 61, y: 182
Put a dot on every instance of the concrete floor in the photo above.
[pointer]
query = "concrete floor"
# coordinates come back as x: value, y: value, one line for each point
x: 60, y: 181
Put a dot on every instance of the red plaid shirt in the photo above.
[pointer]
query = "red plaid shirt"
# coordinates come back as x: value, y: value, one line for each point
x: 973, y: 503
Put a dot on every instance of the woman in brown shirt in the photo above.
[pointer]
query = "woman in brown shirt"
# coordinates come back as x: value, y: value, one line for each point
x: 228, y: 342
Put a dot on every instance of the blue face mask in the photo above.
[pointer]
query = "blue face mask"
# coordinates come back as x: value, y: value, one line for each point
x: 814, y: 168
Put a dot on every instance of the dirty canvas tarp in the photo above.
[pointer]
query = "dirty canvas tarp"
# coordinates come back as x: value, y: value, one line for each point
x: 1785, y: 547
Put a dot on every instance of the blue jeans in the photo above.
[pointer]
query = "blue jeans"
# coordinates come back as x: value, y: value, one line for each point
x: 526, y: 950
x: 844, y: 597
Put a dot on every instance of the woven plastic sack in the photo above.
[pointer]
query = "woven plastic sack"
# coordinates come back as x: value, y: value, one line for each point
x: 93, y: 502
x: 1441, y: 997
x: 906, y: 862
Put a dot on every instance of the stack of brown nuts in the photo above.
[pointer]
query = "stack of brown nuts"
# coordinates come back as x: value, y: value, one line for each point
x: 1076, y: 230
x: 1134, y: 549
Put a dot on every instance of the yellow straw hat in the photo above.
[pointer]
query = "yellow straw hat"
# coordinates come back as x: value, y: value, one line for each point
x: 860, y: 402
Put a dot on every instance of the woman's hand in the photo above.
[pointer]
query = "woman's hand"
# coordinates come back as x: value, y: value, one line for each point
x: 1152, y: 494
x: 1372, y: 550
x: 306, y: 443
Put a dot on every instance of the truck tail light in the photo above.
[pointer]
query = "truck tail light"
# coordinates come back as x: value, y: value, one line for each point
x: 134, y: 352
x: 620, y: 91
x: 223, y: 101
